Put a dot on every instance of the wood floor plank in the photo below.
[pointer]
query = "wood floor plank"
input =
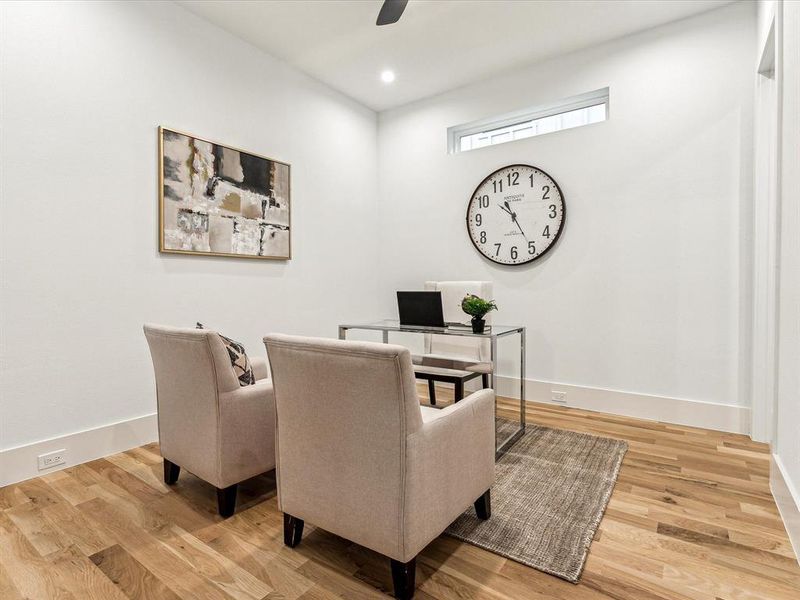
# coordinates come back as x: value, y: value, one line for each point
x: 486, y: 578
x: 270, y: 568
x: 30, y: 573
x: 164, y: 563
x: 88, y: 536
x: 691, y: 518
x: 184, y: 514
x: 130, y: 576
x: 70, y: 488
x: 40, y: 492
x: 82, y: 577
x: 335, y: 582
x: 224, y: 573
x: 129, y: 482
x: 11, y: 496
x: 8, y: 591
x: 141, y: 470
x: 37, y: 530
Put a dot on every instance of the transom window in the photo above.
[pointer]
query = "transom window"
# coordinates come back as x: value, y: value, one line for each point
x: 564, y: 114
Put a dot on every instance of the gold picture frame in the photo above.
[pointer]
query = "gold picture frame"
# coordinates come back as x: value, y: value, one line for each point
x: 219, y: 200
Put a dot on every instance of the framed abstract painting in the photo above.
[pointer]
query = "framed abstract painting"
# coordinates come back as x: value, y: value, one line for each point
x: 215, y: 200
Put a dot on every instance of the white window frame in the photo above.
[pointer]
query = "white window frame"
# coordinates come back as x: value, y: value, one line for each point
x: 455, y: 133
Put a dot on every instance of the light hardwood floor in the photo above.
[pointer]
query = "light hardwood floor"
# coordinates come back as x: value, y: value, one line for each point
x: 691, y: 518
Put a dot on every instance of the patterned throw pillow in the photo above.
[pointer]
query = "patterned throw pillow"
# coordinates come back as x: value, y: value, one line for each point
x: 239, y: 361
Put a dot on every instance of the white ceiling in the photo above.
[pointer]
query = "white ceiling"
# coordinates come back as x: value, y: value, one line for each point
x: 437, y: 45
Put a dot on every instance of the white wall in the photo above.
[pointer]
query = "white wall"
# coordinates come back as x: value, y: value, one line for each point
x: 788, y: 446
x: 785, y: 474
x: 643, y: 292
x: 642, y: 309
x: 84, y: 87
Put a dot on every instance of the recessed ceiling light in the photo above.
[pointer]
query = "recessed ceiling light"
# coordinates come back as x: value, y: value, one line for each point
x: 387, y: 76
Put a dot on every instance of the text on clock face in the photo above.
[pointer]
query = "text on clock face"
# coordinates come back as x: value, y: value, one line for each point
x: 516, y: 215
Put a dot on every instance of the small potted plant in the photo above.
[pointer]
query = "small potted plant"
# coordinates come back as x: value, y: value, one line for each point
x: 477, y: 308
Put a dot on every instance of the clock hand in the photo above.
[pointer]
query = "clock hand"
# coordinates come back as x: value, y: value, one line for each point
x: 507, y: 208
x: 514, y: 218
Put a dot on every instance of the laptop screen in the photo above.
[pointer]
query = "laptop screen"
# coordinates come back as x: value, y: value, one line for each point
x: 420, y: 309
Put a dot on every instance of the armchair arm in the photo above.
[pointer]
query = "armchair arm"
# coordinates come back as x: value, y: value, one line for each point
x: 260, y: 367
x: 467, y: 408
x: 247, y: 433
x: 449, y: 464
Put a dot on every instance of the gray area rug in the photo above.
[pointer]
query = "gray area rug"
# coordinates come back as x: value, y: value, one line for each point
x: 551, y: 491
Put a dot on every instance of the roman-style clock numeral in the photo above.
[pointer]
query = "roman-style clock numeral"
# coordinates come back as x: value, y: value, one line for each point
x: 513, y: 224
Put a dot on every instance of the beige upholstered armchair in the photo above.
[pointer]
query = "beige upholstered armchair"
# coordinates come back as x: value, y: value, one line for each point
x: 207, y: 423
x: 358, y: 456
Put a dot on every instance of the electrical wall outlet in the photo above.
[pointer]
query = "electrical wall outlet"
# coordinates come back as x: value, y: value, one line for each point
x: 559, y: 396
x: 52, y: 459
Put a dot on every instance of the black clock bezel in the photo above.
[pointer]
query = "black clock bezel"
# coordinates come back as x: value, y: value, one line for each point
x: 558, y: 234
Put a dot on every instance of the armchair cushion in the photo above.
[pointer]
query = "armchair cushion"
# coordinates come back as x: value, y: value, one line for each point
x: 239, y: 361
x: 430, y: 414
x: 260, y: 367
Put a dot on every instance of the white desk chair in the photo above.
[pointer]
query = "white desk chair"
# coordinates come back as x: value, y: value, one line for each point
x: 455, y: 352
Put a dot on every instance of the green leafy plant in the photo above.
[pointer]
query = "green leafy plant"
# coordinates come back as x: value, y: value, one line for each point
x: 476, y: 306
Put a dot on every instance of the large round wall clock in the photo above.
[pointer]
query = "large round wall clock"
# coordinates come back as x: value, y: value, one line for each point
x: 516, y: 215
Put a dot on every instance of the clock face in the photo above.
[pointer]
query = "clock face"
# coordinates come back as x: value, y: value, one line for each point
x: 516, y: 215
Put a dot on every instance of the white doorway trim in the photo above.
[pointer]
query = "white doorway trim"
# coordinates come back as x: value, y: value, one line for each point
x: 766, y: 241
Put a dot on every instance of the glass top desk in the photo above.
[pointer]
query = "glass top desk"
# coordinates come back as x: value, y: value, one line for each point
x: 506, y: 431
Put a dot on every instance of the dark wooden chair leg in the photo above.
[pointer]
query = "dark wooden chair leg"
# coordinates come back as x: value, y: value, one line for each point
x: 403, y: 578
x: 226, y: 500
x: 292, y: 530
x: 459, y: 391
x: 171, y: 472
x: 483, y: 505
x: 432, y: 392
x: 485, y: 380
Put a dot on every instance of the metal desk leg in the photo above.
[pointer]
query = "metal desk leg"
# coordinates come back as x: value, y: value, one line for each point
x: 521, y: 430
x: 493, y: 363
x: 522, y: 346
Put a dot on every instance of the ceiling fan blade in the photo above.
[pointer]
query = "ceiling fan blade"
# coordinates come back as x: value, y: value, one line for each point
x: 391, y: 11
